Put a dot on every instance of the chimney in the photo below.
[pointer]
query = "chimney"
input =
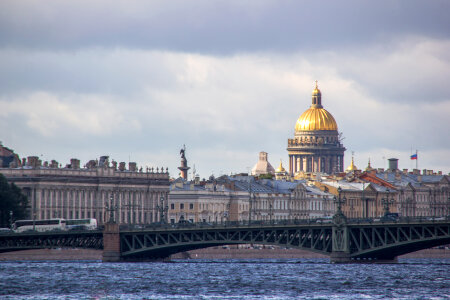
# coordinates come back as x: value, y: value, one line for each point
x: 122, y: 166
x: 132, y: 166
x: 424, y: 172
x: 439, y: 172
x: 75, y: 163
x: 380, y: 170
x: 416, y: 172
x: 405, y: 171
x: 393, y: 164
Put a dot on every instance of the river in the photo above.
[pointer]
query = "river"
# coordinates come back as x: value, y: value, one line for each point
x: 225, y: 279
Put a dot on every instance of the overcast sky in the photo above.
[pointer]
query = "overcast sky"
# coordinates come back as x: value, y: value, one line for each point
x: 136, y: 80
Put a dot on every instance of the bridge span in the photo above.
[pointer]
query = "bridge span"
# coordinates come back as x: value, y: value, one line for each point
x: 342, y: 241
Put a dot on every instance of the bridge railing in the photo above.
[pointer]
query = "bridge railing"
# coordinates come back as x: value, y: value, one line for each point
x: 288, y: 222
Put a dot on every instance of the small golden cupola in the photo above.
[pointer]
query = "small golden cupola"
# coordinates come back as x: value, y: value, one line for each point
x: 280, y: 168
x: 369, y: 167
x: 352, y: 167
x: 316, y: 117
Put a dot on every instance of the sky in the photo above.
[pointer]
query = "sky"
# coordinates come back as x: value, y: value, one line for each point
x: 137, y: 80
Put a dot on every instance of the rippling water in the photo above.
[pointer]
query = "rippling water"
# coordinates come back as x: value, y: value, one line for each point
x: 226, y: 279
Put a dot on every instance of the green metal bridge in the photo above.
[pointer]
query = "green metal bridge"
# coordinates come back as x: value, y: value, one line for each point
x: 342, y: 241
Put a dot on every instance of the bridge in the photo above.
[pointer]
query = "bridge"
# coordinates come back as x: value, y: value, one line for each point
x: 343, y: 241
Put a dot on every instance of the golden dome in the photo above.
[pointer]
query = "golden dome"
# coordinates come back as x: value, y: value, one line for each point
x: 280, y: 168
x: 316, y: 117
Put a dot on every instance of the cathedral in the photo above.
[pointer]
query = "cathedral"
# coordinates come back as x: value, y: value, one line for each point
x: 316, y: 146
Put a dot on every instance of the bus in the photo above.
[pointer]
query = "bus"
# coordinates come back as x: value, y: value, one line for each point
x: 39, y: 225
x: 81, y: 224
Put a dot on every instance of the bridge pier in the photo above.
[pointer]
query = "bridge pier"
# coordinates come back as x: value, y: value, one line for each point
x: 111, y: 243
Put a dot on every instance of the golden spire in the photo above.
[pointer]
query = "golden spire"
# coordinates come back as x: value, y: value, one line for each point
x: 352, y: 166
x: 280, y: 168
x: 316, y: 90
x: 369, y: 167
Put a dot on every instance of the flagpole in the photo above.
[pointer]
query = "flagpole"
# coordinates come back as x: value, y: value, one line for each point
x: 417, y: 160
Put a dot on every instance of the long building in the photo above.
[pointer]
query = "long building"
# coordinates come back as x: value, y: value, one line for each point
x: 92, y: 191
x: 244, y: 198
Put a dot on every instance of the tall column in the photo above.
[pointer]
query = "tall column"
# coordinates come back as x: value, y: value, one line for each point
x: 290, y: 165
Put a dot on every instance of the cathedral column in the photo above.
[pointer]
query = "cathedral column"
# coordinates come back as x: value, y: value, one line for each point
x: 290, y: 165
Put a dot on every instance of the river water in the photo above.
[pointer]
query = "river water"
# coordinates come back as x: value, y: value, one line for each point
x: 226, y: 279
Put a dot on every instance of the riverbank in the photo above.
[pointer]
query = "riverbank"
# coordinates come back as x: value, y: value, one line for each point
x: 208, y: 253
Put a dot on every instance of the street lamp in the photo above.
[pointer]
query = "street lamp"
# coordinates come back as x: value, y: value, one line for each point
x: 111, y: 208
x: 339, y: 217
x: 339, y: 201
x: 11, y: 219
x: 162, y: 209
x: 386, y: 201
x: 270, y: 212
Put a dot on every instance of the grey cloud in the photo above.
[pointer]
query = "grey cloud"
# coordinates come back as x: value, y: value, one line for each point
x: 217, y: 26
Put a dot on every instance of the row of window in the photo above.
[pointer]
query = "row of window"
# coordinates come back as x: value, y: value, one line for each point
x: 191, y: 206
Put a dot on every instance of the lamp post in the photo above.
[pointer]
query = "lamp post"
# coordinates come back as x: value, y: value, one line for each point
x: 386, y: 202
x: 339, y: 217
x: 11, y: 219
x: 250, y: 200
x: 339, y: 201
x: 162, y: 210
x: 111, y: 209
x: 270, y: 212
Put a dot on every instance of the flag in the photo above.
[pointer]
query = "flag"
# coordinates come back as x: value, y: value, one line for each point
x: 414, y: 156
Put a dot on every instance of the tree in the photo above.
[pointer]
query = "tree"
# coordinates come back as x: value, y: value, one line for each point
x: 11, y: 200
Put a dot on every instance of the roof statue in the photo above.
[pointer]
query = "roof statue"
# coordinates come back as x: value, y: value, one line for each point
x: 182, y: 151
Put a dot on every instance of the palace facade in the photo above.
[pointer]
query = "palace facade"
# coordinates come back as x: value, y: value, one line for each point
x: 73, y: 192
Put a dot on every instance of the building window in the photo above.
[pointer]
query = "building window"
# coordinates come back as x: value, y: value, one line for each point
x: 191, y: 205
x: 181, y: 205
x: 172, y: 206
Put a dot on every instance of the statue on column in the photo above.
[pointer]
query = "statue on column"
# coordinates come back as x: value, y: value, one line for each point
x: 183, y: 167
x: 182, y: 152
